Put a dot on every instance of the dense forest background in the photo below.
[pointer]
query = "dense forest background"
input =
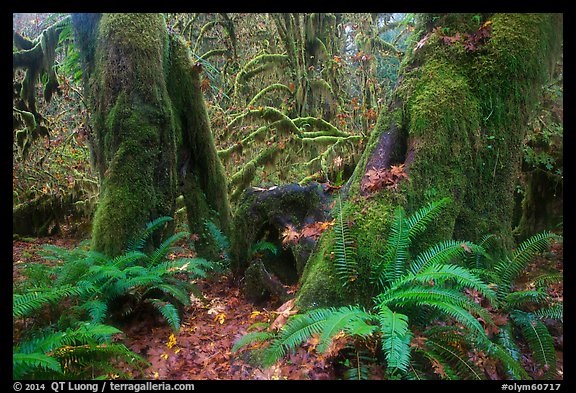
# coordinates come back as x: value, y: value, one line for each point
x: 292, y: 102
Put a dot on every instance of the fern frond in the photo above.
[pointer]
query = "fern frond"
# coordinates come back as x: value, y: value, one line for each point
x: 127, y: 259
x: 26, y: 363
x: 173, y: 290
x: 418, y: 221
x: 510, y: 268
x: 439, y: 274
x: 396, y: 339
x: 23, y: 305
x: 443, y: 253
x: 555, y: 311
x: 219, y: 237
x: 360, y: 371
x: 455, y: 356
x: 393, y: 263
x: 297, y: 330
x: 449, y: 301
x: 344, y: 251
x: 350, y: 319
x: 474, y: 259
x: 160, y: 253
x: 195, y: 266
x: 43, y: 342
x: 263, y: 245
x: 431, y: 358
x: 539, y: 340
x: 138, y: 242
x: 544, y: 280
x: 252, y: 337
x: 89, y: 333
x: 509, y: 361
x: 521, y: 298
x: 452, y: 344
x: 97, y: 310
x: 457, y: 275
x: 168, y: 311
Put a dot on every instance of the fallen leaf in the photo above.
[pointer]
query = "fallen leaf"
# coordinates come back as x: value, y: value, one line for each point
x: 290, y: 235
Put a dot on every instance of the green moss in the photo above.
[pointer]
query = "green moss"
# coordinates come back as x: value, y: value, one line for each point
x: 463, y: 114
x: 204, y: 188
x: 134, y: 143
x: 320, y: 286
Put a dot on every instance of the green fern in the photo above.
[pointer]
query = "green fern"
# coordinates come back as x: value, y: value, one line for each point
x: 419, y: 220
x: 396, y: 338
x: 522, y: 298
x: 25, y: 364
x: 160, y: 253
x: 442, y: 253
x: 402, y: 231
x: 539, y: 340
x: 168, y: 311
x: 139, y: 241
x: 263, y: 245
x: 72, y: 352
x: 250, y: 338
x: 446, y: 346
x: 428, y: 288
x: 24, y: 305
x: 506, y: 350
x: 359, y: 371
x: 510, y: 268
x: 555, y: 311
x: 344, y: 250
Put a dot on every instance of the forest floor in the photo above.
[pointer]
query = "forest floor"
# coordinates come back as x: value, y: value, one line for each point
x: 201, y: 350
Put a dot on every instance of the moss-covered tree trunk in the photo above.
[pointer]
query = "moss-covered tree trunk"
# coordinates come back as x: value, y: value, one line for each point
x: 150, y: 131
x: 457, y: 121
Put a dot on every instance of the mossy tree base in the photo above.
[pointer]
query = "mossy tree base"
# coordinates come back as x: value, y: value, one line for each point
x: 460, y: 116
x: 150, y: 128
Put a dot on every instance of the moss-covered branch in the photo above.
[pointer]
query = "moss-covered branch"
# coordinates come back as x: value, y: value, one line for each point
x: 36, y: 58
x: 241, y: 179
x: 267, y: 89
x: 214, y: 52
x: 326, y: 133
x: 207, y: 27
x: 257, y: 65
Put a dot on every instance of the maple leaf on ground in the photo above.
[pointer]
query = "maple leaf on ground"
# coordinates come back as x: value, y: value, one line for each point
x: 398, y: 171
x: 315, y: 229
x: 290, y: 235
x: 422, y: 42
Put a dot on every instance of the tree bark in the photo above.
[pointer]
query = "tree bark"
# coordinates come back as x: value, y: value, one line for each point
x: 457, y: 121
x: 150, y: 129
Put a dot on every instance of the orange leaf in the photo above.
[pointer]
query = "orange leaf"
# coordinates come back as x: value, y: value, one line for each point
x: 290, y: 235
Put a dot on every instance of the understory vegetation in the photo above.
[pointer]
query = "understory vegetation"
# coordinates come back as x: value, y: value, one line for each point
x: 288, y: 196
x: 430, y: 311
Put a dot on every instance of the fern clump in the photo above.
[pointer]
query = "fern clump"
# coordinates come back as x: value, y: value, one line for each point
x: 527, y: 309
x: 87, y: 290
x: 430, y: 311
